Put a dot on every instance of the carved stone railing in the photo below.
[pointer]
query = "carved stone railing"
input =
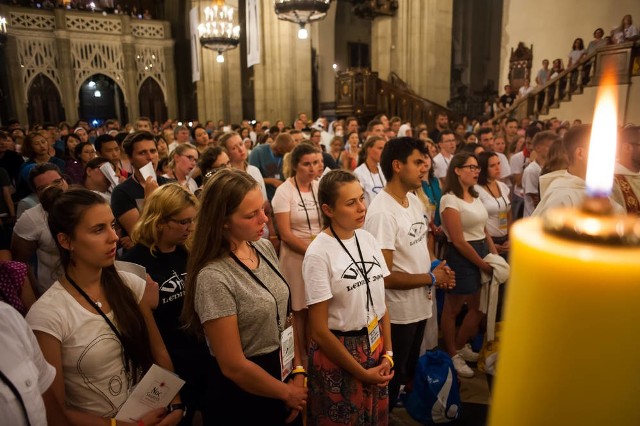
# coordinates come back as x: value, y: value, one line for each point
x: 619, y: 58
x: 360, y: 93
x: 69, y: 46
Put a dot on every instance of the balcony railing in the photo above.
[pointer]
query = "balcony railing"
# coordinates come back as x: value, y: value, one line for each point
x: 619, y: 58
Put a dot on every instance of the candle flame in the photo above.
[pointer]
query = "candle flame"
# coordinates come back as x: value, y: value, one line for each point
x: 603, y: 142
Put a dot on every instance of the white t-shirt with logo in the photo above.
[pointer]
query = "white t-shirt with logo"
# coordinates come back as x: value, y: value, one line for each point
x: 287, y: 200
x: 330, y: 274
x: 92, y: 367
x: 404, y: 231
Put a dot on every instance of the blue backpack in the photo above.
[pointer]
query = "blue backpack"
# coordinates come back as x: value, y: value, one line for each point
x: 435, y: 397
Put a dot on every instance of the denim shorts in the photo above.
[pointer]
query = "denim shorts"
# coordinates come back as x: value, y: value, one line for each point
x: 467, y: 273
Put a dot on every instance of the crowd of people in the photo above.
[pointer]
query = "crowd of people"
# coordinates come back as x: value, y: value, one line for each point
x: 624, y: 32
x: 104, y: 6
x: 295, y: 270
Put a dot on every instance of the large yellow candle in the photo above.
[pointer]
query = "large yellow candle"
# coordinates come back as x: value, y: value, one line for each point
x: 570, y: 349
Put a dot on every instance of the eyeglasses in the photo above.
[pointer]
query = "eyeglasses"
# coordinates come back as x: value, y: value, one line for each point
x: 213, y: 171
x: 56, y: 182
x: 190, y: 158
x: 183, y: 222
x: 471, y: 167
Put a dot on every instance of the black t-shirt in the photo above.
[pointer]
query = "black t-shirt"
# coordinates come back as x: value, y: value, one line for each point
x: 189, y: 355
x: 329, y: 161
x: 130, y: 195
x: 11, y: 161
x: 507, y: 100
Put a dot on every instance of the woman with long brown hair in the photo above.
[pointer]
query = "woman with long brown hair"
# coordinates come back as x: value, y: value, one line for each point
x: 236, y: 296
x: 464, y: 220
x: 94, y: 324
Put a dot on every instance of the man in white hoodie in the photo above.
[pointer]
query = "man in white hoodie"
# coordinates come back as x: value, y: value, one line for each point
x: 569, y: 190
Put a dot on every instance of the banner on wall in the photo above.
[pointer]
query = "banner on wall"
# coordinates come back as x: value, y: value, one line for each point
x: 253, y: 32
x: 195, y: 44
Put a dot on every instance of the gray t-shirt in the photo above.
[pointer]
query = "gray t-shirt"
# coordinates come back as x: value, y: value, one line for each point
x: 223, y: 289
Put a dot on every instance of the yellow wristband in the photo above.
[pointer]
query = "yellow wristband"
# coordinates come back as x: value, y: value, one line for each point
x: 114, y: 422
x: 388, y: 357
x: 299, y: 370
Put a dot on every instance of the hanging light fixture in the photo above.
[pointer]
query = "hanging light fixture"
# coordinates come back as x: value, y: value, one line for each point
x: 302, y: 12
x: 3, y: 30
x: 218, y: 32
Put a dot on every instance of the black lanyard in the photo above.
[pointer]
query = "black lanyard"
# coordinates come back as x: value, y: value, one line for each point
x: 496, y: 198
x: 304, y: 205
x: 17, y: 394
x: 373, y: 182
x: 259, y: 281
x: 95, y: 306
x: 362, y: 271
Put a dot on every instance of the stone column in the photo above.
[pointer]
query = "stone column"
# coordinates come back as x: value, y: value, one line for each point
x: 323, y: 41
x: 68, y: 95
x: 283, y: 77
x: 220, y: 86
x: 130, y: 71
x: 16, y: 83
x: 416, y: 45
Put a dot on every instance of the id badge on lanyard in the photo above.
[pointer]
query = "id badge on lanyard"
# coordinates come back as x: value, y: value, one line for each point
x: 502, y: 220
x: 375, y: 336
x: 287, y: 351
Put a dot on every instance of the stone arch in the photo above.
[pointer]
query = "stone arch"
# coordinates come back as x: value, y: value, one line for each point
x: 116, y: 79
x: 45, y: 102
x: 152, y: 100
x: 100, y: 97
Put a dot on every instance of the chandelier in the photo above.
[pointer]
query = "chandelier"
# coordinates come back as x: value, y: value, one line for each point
x: 218, y: 32
x: 3, y: 30
x: 302, y: 12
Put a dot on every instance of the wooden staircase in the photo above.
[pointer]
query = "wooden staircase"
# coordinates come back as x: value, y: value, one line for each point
x: 623, y: 58
x: 362, y: 94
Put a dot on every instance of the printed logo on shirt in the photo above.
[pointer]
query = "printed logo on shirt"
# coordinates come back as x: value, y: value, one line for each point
x: 418, y: 229
x: 173, y: 288
x: 309, y: 204
x: 352, y: 272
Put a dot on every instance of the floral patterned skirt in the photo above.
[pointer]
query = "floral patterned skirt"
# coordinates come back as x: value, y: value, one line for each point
x: 336, y: 397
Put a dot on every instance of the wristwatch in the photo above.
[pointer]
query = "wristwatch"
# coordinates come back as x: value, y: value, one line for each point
x: 173, y: 407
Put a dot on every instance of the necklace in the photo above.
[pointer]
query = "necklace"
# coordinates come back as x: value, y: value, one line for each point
x: 404, y: 202
x: 246, y: 259
x: 96, y: 302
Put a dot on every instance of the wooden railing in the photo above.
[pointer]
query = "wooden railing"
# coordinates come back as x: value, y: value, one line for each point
x: 574, y: 79
x: 359, y: 92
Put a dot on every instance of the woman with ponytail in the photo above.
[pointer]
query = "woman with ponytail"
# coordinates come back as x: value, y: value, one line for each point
x: 94, y: 324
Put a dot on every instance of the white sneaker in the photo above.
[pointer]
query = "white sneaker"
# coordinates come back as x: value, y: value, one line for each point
x: 461, y: 366
x: 468, y: 354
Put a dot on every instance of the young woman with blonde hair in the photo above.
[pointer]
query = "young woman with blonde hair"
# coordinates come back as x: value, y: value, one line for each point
x: 162, y: 236
x: 184, y: 159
